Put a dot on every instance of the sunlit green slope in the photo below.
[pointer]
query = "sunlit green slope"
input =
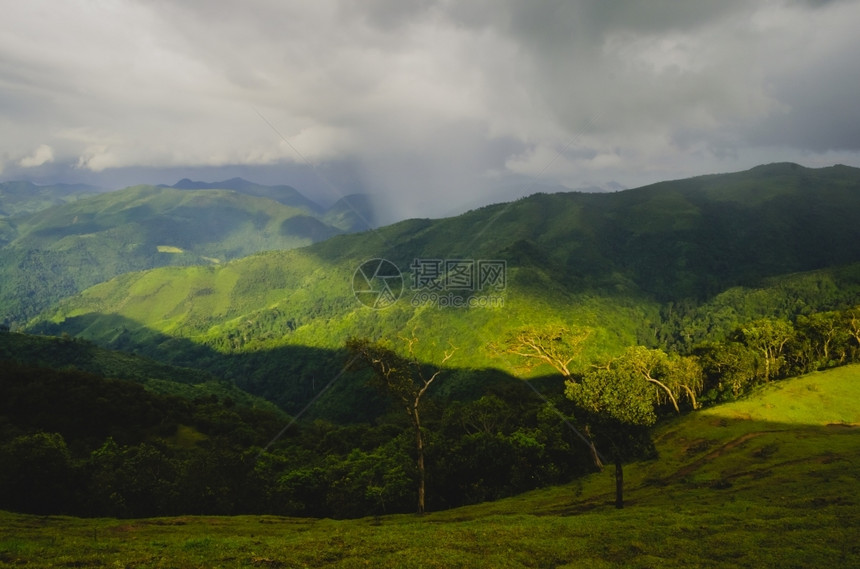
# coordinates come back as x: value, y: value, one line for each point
x: 668, y: 264
x: 603, y: 260
x: 59, y: 251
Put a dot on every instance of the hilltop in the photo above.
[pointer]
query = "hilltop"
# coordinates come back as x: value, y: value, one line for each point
x: 351, y: 213
x: 283, y: 194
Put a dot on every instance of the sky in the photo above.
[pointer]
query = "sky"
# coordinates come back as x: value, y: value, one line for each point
x: 434, y: 106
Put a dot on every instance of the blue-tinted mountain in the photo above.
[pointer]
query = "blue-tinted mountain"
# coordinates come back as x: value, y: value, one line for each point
x: 284, y: 194
x: 18, y: 198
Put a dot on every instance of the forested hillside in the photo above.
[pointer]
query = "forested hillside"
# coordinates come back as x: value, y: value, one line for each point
x: 18, y: 198
x: 136, y: 452
x: 492, y: 286
x: 667, y: 266
x: 621, y: 310
x: 66, y: 353
x: 58, y: 251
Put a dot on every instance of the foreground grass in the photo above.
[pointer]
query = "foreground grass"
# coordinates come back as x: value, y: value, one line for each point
x: 770, y: 481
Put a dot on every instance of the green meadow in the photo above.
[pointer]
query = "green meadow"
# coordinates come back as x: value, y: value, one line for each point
x: 766, y: 481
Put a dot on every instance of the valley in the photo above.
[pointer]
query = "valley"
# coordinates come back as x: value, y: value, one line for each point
x: 204, y: 363
x: 59, y: 249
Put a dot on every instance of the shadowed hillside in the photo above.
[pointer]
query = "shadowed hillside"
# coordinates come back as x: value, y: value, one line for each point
x: 767, y: 481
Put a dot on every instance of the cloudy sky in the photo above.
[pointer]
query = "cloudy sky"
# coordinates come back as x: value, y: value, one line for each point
x: 437, y: 105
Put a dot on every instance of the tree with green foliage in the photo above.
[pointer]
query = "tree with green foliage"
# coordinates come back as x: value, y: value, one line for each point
x: 617, y: 402
x: 832, y: 336
x: 852, y: 322
x: 107, y: 487
x: 365, y: 482
x: 674, y: 377
x: 559, y: 347
x: 37, y: 474
x: 768, y: 338
x: 727, y: 366
x: 485, y: 415
x: 621, y: 397
x: 405, y: 380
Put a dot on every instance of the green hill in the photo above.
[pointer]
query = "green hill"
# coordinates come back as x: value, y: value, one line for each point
x: 665, y: 265
x: 286, y: 195
x: 351, y: 213
x: 18, y: 198
x: 61, y: 250
x: 767, y: 481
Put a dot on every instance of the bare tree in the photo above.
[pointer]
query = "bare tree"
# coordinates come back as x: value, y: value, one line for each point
x: 405, y: 380
x: 557, y: 346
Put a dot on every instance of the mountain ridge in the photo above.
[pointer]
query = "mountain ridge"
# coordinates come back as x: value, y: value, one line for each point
x: 637, y: 267
x: 63, y: 249
x: 281, y: 193
x: 22, y: 197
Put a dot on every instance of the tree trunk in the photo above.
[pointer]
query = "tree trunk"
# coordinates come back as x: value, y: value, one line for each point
x: 592, y: 449
x: 594, y: 456
x: 692, y: 395
x: 766, y: 365
x: 419, y: 445
x: 667, y: 390
x: 619, y: 484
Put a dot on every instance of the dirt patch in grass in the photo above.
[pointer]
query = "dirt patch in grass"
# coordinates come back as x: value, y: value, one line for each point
x: 695, y: 465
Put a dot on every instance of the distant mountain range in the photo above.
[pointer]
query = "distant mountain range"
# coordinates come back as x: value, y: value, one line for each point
x: 283, y: 194
x: 62, y: 239
x: 351, y: 213
x: 667, y: 264
x: 18, y: 198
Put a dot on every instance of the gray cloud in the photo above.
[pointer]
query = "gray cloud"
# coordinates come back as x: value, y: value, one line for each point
x: 434, y: 104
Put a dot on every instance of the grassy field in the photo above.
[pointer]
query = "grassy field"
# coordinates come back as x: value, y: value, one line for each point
x: 769, y: 481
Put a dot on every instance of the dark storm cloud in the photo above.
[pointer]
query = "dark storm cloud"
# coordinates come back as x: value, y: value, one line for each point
x: 820, y: 105
x: 434, y: 104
